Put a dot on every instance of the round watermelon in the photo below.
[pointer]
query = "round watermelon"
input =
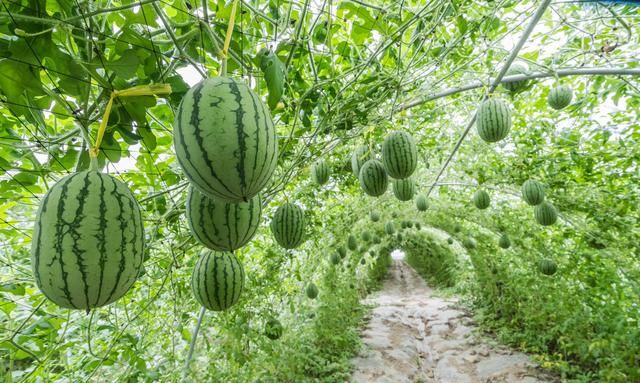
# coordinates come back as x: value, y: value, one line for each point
x: 560, y: 97
x: 399, y: 155
x: 221, y: 225
x: 481, y: 199
x: 547, y: 267
x: 335, y: 258
x: 273, y: 329
x: 532, y: 192
x: 450, y: 241
x: 422, y: 203
x: 87, y: 245
x: 545, y: 214
x: 287, y: 225
x: 224, y: 139
x: 389, y: 228
x: 504, y: 241
x: 361, y: 155
x: 320, y: 172
x: 217, y: 280
x: 493, y: 120
x: 366, y: 236
x: 457, y: 228
x: 516, y: 86
x: 469, y: 243
x: 373, y: 178
x: 312, y: 290
x: 375, y: 216
x: 404, y: 189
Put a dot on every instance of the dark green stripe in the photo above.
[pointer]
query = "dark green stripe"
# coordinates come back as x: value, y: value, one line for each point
x: 241, y: 135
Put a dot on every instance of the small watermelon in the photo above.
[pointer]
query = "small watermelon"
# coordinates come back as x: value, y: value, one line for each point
x: 312, y: 290
x: 389, y: 228
x: 560, y: 97
x: 493, y: 120
x: 469, y: 243
x: 352, y: 243
x: 450, y: 241
x: 404, y: 189
x: 273, y: 329
x: 342, y: 251
x: 287, y: 225
x: 545, y: 214
x: 217, y: 280
x: 366, y: 236
x: 547, y: 267
x: 373, y: 178
x: 532, y: 192
x: 457, y: 228
x: 417, y: 225
x: 361, y: 155
x: 375, y: 216
x: 377, y: 240
x: 335, y: 258
x: 504, y: 241
x: 481, y: 199
x: 516, y: 86
x: 363, y: 261
x: 399, y: 237
x: 399, y: 155
x: 320, y: 172
x: 422, y: 203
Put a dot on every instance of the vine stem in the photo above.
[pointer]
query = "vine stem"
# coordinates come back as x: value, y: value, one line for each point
x: 227, y: 38
x: 512, y: 56
x: 192, y: 344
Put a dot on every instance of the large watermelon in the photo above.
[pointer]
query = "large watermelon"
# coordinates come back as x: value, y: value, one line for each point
x: 220, y: 225
x: 217, y: 280
x: 516, y: 86
x: 481, y: 199
x: 399, y: 155
x: 545, y: 214
x: 422, y: 203
x: 88, y: 241
x: 225, y: 140
x: 404, y: 189
x: 287, y: 225
x: 493, y: 120
x: 373, y: 178
x: 361, y: 155
x: 547, y: 266
x: 320, y: 172
x: 560, y: 97
x: 532, y: 192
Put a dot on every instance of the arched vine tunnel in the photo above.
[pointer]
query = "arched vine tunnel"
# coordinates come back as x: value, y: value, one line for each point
x: 110, y: 89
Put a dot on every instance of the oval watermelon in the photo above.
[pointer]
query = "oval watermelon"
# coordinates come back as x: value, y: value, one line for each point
x: 399, y: 155
x: 312, y: 290
x: 481, y: 199
x: 221, y: 225
x: 88, y: 241
x: 545, y: 214
x: 224, y: 139
x: 493, y: 120
x: 287, y: 225
x: 560, y: 97
x: 320, y: 172
x: 469, y: 243
x: 273, y: 329
x: 547, y: 267
x: 404, y: 189
x: 504, y: 241
x: 373, y: 178
x: 516, y: 86
x: 422, y: 203
x: 352, y: 243
x: 389, y: 228
x: 217, y: 280
x: 532, y: 192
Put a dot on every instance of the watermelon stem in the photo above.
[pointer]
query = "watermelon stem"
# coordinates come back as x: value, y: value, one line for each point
x: 196, y: 330
x: 227, y: 38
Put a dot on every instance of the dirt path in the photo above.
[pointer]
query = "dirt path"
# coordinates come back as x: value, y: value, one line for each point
x: 415, y: 336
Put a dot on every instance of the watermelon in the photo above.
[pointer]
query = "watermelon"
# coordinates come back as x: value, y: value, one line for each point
x: 352, y: 243
x: 335, y: 258
x: 342, y: 251
x: 469, y: 243
x: 221, y: 225
x: 409, y: 224
x: 545, y: 214
x: 493, y: 120
x: 366, y: 236
x: 373, y: 178
x: 363, y: 261
x: 287, y: 225
x: 404, y: 189
x: 399, y: 155
x: 457, y: 228
x: 547, y: 267
x: 422, y: 203
x: 375, y: 216
x: 217, y: 280
x: 361, y: 155
x: 450, y: 241
x: 504, y: 241
x: 312, y: 290
x: 389, y: 228
x: 417, y: 225
x: 516, y: 86
x: 320, y: 172
x: 88, y: 241
x: 377, y: 240
x: 560, y: 97
x: 224, y: 139
x: 394, y: 215
x: 481, y: 199
x: 273, y: 329
x: 532, y: 192
x: 399, y: 237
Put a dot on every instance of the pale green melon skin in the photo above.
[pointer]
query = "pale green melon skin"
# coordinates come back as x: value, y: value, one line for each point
x: 217, y: 280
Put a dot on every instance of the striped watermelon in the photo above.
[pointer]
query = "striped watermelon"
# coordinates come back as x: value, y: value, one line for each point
x: 273, y: 329
x: 361, y: 155
x: 88, y: 241
x: 422, y: 203
x: 375, y: 216
x: 516, y: 86
x: 287, y: 226
x: 404, y: 189
x: 504, y: 241
x: 545, y: 214
x: 399, y: 237
x: 389, y: 228
x: 547, y: 267
x: 481, y: 199
x: 312, y: 290
x: 532, y: 192
x: 320, y: 172
x: 352, y: 243
x: 217, y: 280
x: 225, y: 140
x: 399, y: 155
x: 373, y: 178
x: 493, y: 120
x: 560, y: 97
x: 221, y: 225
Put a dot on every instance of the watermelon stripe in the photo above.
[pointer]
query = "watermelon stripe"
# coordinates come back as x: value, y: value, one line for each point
x: 101, y: 239
x: 60, y: 238
x: 239, y: 112
x: 79, y: 216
